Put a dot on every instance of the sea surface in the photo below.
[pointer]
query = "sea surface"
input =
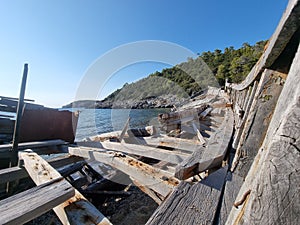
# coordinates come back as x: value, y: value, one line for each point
x: 97, y: 121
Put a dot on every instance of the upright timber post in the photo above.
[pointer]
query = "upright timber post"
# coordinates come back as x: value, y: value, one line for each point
x: 14, y: 155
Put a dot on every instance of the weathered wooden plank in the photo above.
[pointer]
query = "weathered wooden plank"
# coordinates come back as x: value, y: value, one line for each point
x: 241, y: 125
x: 124, y: 130
x: 140, y: 132
x: 142, y: 150
x: 15, y: 173
x: 199, y: 135
x: 205, y: 113
x: 274, y: 176
x: 211, y: 155
x: 16, y: 134
x: 30, y: 145
x: 11, y: 174
x: 165, y: 141
x: 64, y: 160
x: 27, y: 205
x: 231, y: 190
x: 154, y: 178
x: 41, y: 172
x: 191, y: 204
x: 181, y: 114
x: 257, y: 122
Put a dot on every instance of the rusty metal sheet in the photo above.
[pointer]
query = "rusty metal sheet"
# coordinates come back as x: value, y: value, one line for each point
x: 48, y: 124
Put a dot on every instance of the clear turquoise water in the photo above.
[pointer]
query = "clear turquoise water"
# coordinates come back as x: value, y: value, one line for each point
x: 96, y: 121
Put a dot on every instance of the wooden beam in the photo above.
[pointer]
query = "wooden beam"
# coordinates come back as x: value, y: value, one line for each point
x: 11, y: 174
x: 14, y: 155
x: 27, y: 205
x: 211, y: 155
x: 191, y: 204
x: 231, y: 190
x: 124, y: 129
x: 247, y: 122
x: 239, y: 131
x: 205, y: 113
x: 31, y: 145
x: 155, y: 179
x: 142, y: 150
x: 165, y: 141
x: 41, y: 172
x: 200, y: 137
x: 61, y: 164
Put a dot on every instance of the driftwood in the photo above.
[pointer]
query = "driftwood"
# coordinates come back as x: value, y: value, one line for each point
x: 76, y: 210
x: 4, y: 149
x: 155, y: 179
x: 274, y: 176
x: 191, y: 204
x: 165, y: 141
x: 210, y: 156
x: 151, y: 152
x: 27, y: 205
x: 233, y: 184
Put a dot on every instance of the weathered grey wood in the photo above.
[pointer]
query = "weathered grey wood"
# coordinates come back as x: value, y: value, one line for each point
x: 125, y: 128
x: 241, y: 126
x: 165, y: 141
x: 211, y: 155
x: 64, y: 160
x: 11, y: 174
x: 288, y: 25
x: 150, y: 130
x: 32, y: 145
x: 231, y: 190
x: 61, y: 164
x: 154, y: 178
x: 142, y: 150
x: 199, y: 135
x: 205, y: 113
x: 257, y: 122
x: 27, y: 205
x: 41, y: 172
x: 246, y: 98
x: 191, y: 204
x: 274, y: 176
x: 14, y: 156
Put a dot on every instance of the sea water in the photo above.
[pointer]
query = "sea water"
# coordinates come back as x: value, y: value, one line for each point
x: 97, y: 121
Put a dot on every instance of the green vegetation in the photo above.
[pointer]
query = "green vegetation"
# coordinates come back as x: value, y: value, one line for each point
x: 233, y: 64
x: 189, y: 78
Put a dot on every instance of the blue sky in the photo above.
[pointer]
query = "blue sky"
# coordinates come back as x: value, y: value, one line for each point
x: 61, y: 39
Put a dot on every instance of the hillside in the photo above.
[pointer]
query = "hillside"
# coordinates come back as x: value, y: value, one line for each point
x: 172, y: 86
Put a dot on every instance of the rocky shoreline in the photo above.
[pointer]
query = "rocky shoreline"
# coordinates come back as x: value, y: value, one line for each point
x: 166, y: 101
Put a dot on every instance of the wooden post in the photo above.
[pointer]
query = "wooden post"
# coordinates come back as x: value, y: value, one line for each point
x: 14, y: 157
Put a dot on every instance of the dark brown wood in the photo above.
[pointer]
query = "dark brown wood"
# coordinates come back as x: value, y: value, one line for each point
x: 191, y: 204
